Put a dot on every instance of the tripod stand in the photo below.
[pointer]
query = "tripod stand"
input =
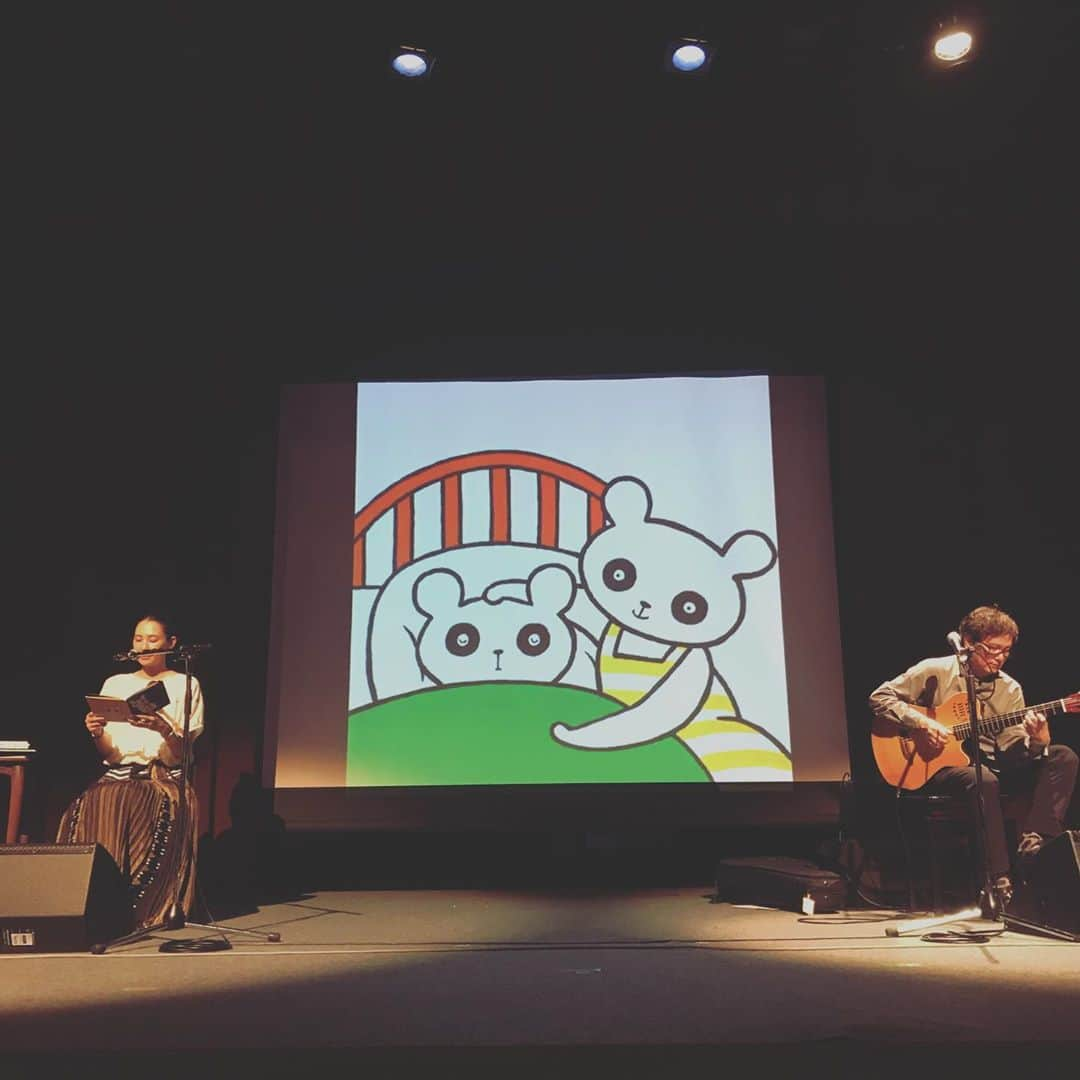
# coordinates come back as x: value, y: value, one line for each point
x: 988, y: 905
x: 176, y: 918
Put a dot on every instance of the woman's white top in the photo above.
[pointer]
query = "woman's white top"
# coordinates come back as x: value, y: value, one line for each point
x: 143, y: 745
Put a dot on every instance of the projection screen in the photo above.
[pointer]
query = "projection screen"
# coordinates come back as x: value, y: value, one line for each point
x: 509, y: 601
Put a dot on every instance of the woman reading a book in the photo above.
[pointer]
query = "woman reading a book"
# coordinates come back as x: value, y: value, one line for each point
x: 132, y: 809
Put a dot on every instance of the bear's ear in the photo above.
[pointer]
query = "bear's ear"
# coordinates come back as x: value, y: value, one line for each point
x: 438, y: 590
x: 627, y: 500
x: 552, y: 588
x: 749, y: 554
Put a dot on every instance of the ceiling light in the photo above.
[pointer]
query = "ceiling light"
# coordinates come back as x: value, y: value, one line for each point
x: 953, y: 42
x: 689, y: 56
x: 412, y: 63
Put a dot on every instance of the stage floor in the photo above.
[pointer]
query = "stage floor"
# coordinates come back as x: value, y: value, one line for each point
x: 536, y: 983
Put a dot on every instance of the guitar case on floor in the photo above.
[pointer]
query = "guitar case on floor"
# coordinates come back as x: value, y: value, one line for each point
x: 779, y: 881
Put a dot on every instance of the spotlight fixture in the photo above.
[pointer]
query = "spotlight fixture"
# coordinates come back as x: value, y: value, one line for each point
x: 411, y: 62
x: 953, y: 42
x: 688, y: 56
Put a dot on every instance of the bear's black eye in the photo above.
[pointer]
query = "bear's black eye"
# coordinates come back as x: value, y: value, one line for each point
x: 620, y: 575
x: 462, y: 639
x: 533, y: 639
x: 689, y: 607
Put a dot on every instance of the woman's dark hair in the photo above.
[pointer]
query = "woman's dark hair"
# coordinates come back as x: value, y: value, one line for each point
x: 988, y: 621
x: 163, y: 621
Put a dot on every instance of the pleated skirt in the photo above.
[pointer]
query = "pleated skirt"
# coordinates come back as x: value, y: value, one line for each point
x: 132, y: 813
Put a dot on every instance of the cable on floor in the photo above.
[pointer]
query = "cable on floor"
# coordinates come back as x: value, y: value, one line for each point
x: 195, y: 945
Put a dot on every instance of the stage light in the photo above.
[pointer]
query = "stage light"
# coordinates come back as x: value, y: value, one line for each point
x: 953, y: 47
x: 689, y: 56
x: 412, y: 63
x: 953, y: 42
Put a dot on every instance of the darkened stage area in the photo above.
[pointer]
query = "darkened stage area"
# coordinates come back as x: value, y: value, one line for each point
x: 214, y: 201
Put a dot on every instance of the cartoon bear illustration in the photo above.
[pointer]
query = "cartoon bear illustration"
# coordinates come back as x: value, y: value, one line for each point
x: 671, y: 596
x: 514, y: 631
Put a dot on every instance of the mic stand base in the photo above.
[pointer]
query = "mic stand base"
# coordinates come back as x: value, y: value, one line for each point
x: 175, y: 920
x: 988, y: 907
x: 1014, y: 922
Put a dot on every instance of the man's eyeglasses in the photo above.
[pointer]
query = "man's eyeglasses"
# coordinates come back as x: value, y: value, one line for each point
x: 996, y: 652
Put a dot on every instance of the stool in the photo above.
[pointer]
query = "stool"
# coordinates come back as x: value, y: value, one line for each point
x: 939, y: 812
x: 14, y: 766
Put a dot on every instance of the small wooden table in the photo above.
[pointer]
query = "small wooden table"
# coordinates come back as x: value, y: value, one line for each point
x: 14, y: 766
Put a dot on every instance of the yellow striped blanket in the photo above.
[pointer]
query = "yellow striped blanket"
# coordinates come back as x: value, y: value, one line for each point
x: 730, y: 749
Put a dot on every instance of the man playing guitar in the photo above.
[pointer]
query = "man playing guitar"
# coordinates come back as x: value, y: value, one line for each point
x: 914, y: 748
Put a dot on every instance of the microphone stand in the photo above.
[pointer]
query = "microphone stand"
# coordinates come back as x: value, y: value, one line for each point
x: 987, y: 906
x: 175, y: 919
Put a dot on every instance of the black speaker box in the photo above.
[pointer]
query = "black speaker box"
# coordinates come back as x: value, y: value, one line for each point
x: 1048, y: 899
x: 60, y: 898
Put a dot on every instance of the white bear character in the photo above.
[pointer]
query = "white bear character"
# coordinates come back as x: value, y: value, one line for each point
x: 500, y: 635
x: 671, y: 595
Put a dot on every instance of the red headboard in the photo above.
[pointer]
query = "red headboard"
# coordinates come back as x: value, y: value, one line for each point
x: 399, y: 498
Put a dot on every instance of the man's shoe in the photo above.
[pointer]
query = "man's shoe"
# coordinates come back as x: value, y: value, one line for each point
x: 1003, y: 890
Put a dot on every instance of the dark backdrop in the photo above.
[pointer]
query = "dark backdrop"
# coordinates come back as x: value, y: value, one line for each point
x: 214, y: 200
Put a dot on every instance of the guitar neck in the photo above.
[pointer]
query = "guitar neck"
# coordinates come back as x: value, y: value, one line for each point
x: 992, y: 725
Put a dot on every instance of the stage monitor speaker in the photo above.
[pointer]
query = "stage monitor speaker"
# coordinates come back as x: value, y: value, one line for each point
x: 60, y: 898
x: 1048, y: 899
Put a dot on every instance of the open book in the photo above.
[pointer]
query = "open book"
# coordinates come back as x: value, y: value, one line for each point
x: 116, y: 709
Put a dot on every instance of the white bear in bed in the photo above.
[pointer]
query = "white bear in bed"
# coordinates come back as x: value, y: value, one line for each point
x: 516, y: 612
x: 513, y: 631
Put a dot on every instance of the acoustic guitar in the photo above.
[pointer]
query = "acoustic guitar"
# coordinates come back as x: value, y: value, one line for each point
x: 907, y: 759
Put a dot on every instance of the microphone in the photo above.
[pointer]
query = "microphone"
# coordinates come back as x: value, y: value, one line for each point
x: 953, y: 638
x: 180, y: 650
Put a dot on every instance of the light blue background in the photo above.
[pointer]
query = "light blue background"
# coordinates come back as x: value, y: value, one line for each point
x: 703, y: 446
